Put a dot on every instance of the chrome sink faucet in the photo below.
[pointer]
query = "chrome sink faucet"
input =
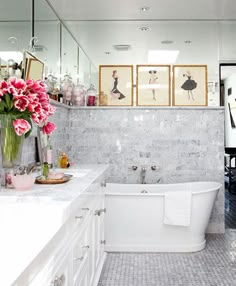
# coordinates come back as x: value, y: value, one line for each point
x: 143, y: 175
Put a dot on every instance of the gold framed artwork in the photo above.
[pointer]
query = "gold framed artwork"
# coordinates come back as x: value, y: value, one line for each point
x: 153, y: 85
x: 115, y: 85
x: 189, y: 85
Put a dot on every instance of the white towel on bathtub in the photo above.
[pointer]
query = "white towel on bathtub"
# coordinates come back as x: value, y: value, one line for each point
x: 177, y: 209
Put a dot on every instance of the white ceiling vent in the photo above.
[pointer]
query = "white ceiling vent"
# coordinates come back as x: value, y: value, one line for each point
x: 122, y: 48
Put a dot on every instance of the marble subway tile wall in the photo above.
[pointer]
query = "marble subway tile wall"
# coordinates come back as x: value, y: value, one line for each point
x: 185, y: 144
x: 60, y: 137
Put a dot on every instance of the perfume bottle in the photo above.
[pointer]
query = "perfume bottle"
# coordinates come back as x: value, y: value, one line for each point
x: 64, y: 161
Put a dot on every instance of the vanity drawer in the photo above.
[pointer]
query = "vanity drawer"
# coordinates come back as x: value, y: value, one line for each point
x: 55, y: 273
x: 80, y: 254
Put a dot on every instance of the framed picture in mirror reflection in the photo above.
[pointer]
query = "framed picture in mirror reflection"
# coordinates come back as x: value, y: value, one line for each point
x: 33, y: 67
x: 115, y: 85
x: 153, y: 85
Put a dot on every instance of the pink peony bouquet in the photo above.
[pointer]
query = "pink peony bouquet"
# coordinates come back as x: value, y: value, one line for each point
x: 26, y: 102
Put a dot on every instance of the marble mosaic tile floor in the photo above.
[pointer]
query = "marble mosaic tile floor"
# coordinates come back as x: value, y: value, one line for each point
x: 214, y: 266
x: 230, y: 208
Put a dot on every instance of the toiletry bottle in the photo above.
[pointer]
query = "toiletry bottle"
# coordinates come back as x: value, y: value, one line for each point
x: 45, y: 169
x: 64, y: 161
x: 49, y: 151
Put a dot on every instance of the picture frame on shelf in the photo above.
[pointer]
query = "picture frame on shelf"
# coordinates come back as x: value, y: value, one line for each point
x: 189, y: 85
x: 153, y: 85
x: 33, y: 67
x: 115, y: 85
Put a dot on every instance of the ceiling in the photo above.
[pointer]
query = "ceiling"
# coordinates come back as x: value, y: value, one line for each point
x: 99, y: 25
x: 130, y: 9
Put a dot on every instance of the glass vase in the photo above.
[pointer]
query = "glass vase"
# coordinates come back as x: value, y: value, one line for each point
x: 11, y: 146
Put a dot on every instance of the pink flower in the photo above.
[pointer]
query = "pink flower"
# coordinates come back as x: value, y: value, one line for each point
x: 17, y: 83
x: 21, y: 126
x: 28, y: 100
x: 38, y: 118
x: 35, y: 107
x: 3, y: 85
x: 3, y: 88
x: 48, y: 128
x: 21, y: 102
x: 35, y: 86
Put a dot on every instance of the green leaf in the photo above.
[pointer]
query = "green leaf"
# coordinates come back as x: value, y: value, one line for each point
x: 1, y: 106
x: 8, y: 101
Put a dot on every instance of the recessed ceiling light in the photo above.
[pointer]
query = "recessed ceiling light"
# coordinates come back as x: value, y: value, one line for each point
x: 167, y: 42
x: 145, y: 8
x: 144, y: 29
x: 188, y: 42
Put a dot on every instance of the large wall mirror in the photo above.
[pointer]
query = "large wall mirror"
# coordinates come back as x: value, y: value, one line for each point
x: 228, y: 100
x: 15, y: 35
x: 47, y: 29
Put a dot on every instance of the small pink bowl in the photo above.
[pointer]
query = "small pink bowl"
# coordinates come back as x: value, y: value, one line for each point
x: 55, y: 176
x: 23, y: 182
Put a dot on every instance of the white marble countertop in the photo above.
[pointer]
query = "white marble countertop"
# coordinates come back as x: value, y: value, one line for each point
x: 30, y: 219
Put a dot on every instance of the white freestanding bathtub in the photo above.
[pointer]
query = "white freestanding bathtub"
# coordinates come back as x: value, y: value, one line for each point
x: 135, y: 212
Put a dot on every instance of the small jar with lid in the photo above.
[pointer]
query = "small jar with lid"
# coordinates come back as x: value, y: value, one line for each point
x: 79, y: 95
x: 67, y: 88
x: 91, y: 97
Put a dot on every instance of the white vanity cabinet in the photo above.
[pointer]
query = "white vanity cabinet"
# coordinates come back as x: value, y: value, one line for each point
x: 88, y: 249
x: 75, y: 254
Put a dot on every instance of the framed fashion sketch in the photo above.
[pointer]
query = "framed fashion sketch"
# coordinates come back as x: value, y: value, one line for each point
x: 116, y: 85
x: 153, y: 85
x: 189, y: 86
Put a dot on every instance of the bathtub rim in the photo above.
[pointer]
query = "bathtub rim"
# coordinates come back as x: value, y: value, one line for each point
x: 216, y: 187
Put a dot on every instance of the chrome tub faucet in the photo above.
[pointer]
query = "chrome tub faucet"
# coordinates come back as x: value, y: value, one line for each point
x: 143, y: 175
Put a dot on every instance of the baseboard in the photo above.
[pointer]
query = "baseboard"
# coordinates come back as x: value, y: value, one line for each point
x: 156, y: 248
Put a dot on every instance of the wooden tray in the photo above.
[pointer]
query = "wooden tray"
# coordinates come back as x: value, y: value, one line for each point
x: 40, y: 180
